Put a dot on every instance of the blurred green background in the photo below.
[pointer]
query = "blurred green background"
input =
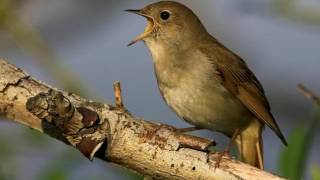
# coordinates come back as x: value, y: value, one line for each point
x: 70, y: 44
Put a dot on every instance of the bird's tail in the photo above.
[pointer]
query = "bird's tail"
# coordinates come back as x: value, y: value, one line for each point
x: 250, y: 145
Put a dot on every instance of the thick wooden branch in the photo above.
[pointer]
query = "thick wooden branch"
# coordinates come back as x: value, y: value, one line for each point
x: 111, y: 134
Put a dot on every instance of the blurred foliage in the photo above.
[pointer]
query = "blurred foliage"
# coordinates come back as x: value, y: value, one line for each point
x: 35, y: 138
x: 129, y: 175
x: 291, y: 9
x: 315, y: 172
x: 293, y: 159
x: 7, y: 165
x: 61, y: 167
x: 54, y: 174
x: 30, y: 40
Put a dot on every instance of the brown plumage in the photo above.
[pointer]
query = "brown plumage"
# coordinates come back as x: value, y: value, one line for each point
x: 238, y: 79
x: 205, y: 83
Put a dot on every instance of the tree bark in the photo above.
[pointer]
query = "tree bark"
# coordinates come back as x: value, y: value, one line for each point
x: 112, y: 133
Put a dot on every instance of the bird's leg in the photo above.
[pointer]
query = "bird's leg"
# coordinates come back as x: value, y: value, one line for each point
x: 227, y: 149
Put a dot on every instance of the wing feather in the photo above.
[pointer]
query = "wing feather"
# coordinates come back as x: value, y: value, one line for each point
x: 240, y: 81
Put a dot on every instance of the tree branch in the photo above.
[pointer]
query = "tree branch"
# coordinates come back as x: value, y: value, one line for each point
x: 111, y: 134
x: 309, y: 94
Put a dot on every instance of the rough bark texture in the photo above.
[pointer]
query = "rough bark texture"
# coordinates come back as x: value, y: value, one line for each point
x: 112, y: 134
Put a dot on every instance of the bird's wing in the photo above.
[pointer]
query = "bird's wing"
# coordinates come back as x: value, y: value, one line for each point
x: 240, y: 81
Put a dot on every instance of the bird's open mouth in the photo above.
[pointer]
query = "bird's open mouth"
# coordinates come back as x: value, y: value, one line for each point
x: 148, y: 29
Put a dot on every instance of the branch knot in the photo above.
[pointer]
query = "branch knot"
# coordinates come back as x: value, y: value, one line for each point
x: 80, y: 126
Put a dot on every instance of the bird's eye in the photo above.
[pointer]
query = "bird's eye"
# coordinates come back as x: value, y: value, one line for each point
x: 164, y: 15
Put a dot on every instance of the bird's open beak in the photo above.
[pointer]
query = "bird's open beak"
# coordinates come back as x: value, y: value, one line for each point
x: 149, y: 28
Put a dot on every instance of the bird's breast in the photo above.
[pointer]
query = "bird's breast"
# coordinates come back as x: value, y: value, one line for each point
x: 195, y: 92
x: 211, y: 107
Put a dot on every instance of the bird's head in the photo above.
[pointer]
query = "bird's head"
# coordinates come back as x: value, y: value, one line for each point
x: 169, y: 21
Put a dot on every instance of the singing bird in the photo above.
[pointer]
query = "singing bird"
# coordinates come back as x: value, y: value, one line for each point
x: 204, y: 82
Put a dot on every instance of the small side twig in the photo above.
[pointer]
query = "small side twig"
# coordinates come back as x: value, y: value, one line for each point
x: 118, y: 95
x: 309, y: 94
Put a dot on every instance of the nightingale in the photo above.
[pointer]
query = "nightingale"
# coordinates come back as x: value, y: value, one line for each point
x: 204, y: 82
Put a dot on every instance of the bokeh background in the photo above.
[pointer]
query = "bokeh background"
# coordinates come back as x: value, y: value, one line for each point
x: 80, y: 46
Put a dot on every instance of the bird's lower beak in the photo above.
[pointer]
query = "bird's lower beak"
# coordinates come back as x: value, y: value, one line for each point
x: 149, y: 28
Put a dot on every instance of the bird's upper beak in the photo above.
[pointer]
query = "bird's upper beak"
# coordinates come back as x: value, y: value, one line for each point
x: 149, y: 28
